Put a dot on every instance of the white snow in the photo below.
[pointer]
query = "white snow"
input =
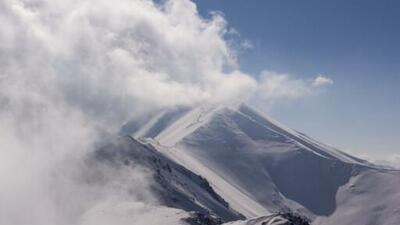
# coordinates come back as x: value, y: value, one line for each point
x: 260, y: 166
x: 186, y: 125
x: 262, y: 220
x: 372, y: 197
x: 237, y: 198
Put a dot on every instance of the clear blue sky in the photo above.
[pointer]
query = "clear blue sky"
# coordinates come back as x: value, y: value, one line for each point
x: 354, y: 42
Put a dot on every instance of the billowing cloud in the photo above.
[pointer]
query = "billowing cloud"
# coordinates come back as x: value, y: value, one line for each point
x: 71, y: 71
x: 273, y: 86
x: 130, y: 56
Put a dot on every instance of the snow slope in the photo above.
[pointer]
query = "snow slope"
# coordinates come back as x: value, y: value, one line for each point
x: 370, y: 197
x: 259, y: 167
x: 173, y: 185
x: 262, y: 220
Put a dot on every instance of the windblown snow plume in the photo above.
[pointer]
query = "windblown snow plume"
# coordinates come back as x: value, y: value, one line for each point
x: 73, y: 71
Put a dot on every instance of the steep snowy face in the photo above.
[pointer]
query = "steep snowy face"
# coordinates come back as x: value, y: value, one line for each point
x: 172, y: 184
x: 259, y: 166
x: 273, y: 167
x: 370, y: 197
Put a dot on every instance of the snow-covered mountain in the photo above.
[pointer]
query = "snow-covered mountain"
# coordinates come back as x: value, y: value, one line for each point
x: 260, y: 167
x: 174, y: 185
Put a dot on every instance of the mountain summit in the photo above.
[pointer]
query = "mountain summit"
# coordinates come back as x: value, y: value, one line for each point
x: 260, y: 167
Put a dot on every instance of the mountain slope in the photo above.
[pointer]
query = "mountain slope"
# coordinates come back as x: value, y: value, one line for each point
x: 258, y: 166
x: 174, y: 185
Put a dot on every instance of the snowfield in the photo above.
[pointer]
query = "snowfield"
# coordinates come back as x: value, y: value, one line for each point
x: 260, y: 167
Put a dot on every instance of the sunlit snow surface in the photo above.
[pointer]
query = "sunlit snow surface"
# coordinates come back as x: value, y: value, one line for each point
x: 260, y: 167
x: 262, y: 220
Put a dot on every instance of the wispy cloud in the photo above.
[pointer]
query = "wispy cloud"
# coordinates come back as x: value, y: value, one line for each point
x: 273, y: 85
x: 322, y: 80
x: 392, y: 160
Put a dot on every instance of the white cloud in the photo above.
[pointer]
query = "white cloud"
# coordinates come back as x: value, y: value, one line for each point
x: 73, y: 70
x: 392, y: 160
x: 395, y: 161
x: 274, y: 86
x: 322, y: 80
x: 389, y: 160
x: 101, y: 54
x: 247, y: 44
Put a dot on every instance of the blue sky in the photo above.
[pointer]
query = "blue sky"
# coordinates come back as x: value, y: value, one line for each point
x: 354, y: 42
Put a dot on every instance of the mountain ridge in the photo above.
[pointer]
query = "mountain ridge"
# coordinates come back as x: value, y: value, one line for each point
x: 260, y: 166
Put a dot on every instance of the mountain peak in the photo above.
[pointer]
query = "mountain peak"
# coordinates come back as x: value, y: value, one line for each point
x: 168, y: 128
x: 259, y: 166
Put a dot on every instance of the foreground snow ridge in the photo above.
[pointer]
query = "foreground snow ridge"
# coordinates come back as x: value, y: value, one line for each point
x: 260, y: 167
